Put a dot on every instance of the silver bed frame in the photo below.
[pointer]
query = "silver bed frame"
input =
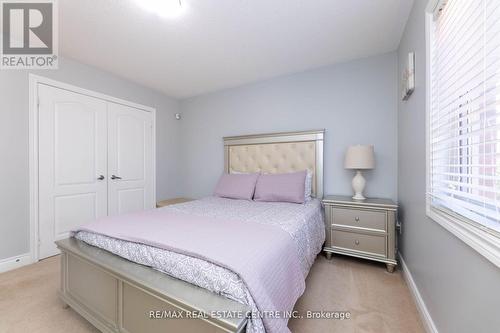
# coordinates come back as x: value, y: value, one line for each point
x: 117, y: 295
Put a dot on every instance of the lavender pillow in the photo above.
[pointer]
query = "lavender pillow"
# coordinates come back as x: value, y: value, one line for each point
x: 236, y: 186
x: 284, y: 187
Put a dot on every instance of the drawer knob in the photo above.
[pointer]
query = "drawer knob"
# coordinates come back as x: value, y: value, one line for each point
x: 356, y: 242
x: 356, y: 219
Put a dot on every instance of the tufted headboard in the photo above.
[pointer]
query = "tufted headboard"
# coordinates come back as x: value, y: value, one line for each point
x: 277, y: 153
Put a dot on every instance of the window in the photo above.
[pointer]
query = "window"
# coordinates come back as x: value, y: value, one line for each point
x: 464, y: 121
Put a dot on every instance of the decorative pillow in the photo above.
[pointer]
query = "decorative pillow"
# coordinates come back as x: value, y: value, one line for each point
x: 284, y: 187
x: 236, y: 186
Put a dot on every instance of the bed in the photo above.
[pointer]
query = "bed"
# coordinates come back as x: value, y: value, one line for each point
x: 130, y: 286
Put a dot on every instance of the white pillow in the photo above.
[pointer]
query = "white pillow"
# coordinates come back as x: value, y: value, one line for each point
x: 308, y: 185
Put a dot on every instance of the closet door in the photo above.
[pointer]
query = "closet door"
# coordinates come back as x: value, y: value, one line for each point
x: 130, y: 159
x: 72, y: 163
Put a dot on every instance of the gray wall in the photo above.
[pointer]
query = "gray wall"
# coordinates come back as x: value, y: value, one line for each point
x: 14, y: 175
x: 460, y: 288
x: 356, y: 102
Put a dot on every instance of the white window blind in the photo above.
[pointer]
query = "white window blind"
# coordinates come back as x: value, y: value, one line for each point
x: 464, y: 120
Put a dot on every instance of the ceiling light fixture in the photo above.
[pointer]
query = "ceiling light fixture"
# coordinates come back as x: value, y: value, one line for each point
x: 163, y: 8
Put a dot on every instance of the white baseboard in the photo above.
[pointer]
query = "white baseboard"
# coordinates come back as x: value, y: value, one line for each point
x: 429, y: 325
x: 15, y: 262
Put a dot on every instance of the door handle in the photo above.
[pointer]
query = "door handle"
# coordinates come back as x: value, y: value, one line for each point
x: 101, y: 177
x: 115, y: 177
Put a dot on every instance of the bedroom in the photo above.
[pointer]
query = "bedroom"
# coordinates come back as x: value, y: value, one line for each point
x: 251, y: 125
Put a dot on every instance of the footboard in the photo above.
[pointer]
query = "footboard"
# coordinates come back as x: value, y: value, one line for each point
x: 117, y: 295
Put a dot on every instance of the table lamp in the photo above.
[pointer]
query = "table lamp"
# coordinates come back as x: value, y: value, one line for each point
x: 359, y: 157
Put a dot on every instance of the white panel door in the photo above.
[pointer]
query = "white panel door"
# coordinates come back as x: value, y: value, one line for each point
x: 130, y: 159
x: 72, y: 163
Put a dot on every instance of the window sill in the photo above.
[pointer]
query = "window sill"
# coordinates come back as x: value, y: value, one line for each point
x: 481, y: 240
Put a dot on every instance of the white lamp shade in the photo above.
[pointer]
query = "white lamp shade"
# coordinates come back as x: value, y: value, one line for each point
x: 359, y: 157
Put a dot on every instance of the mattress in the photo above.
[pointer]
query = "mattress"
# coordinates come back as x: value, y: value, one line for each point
x: 303, y: 222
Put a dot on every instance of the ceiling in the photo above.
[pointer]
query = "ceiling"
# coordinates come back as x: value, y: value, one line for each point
x: 217, y: 44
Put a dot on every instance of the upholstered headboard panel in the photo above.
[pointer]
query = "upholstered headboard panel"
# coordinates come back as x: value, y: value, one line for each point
x: 277, y: 153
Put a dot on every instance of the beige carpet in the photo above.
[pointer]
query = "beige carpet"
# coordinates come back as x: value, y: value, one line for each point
x: 377, y: 301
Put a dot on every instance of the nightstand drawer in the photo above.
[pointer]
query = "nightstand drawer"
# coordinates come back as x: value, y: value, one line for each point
x: 360, y: 218
x: 372, y: 244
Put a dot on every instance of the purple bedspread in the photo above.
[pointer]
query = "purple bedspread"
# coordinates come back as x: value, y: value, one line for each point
x: 264, y: 256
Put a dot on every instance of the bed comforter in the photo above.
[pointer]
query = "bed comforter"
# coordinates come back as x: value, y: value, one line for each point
x: 256, y: 253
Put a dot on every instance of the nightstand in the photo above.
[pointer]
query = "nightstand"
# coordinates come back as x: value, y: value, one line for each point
x: 173, y: 201
x: 364, y: 229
